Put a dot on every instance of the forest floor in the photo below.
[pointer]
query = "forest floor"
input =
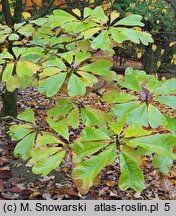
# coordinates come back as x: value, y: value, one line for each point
x: 18, y: 182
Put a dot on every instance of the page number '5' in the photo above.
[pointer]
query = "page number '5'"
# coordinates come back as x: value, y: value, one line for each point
x: 167, y: 206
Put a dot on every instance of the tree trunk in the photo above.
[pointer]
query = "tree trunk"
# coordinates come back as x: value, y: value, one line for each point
x: 9, y: 100
x: 18, y: 11
x: 7, y: 13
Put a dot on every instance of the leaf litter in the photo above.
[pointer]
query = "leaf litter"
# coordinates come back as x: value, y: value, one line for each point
x: 18, y: 182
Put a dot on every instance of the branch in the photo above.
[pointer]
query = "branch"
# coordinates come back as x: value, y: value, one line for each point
x: 44, y: 13
x: 18, y: 11
x: 10, y: 118
x: 7, y: 13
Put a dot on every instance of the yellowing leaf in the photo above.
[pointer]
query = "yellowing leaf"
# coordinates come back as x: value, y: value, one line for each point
x: 154, y: 47
x: 12, y: 11
x: 158, y: 64
x: 32, y: 66
x: 172, y: 44
x: 132, y: 5
x: 26, y: 15
x: 106, y: 5
x: 164, y: 10
x: 114, y: 15
x: 150, y: 7
x: 137, y: 28
x: 173, y: 61
x: 162, y: 51
x: 77, y: 12
x: 139, y: 55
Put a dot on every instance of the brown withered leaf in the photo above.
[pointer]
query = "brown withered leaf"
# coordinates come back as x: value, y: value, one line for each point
x: 5, y: 174
x: 79, y: 186
x: 109, y: 183
x: 1, y: 185
x: 66, y: 190
x: 166, y: 184
x: 18, y: 188
x: 35, y: 195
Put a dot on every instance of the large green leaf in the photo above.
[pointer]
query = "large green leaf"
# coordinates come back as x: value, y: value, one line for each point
x: 88, y: 79
x: 46, y: 165
x: 90, y: 32
x: 131, y: 174
x: 168, y: 87
x: 89, y: 118
x: 132, y: 154
x: 108, y: 97
x: 163, y: 163
x: 102, y: 41
x: 60, y: 127
x: 3, y: 38
x: 7, y: 72
x: 99, y: 14
x: 103, y: 117
x: 73, y: 118
x: 26, y: 30
x: 76, y: 86
x: 80, y: 56
x: 123, y: 97
x: 117, y: 126
x: 131, y: 82
x: 91, y: 134
x: 24, y: 147
x: 5, y: 55
x: 12, y: 83
x: 153, y: 84
x: 120, y: 110
x: 51, y: 85
x: 46, y: 138
x: 136, y: 130
x: 101, y: 67
x: 27, y: 81
x: 47, y: 72
x: 139, y: 115
x: 60, y: 17
x: 78, y: 26
x: 156, y: 118
x: 60, y: 110
x: 169, y: 100
x: 171, y: 125
x: 23, y: 70
x: 18, y: 51
x: 84, y: 174
x: 27, y: 115
x: 118, y: 36
x: 14, y: 37
x: 68, y: 56
x: 162, y: 144
x: 33, y: 54
x: 55, y: 61
x: 137, y: 36
x: 131, y: 20
x: 42, y: 152
x: 17, y: 132
x: 83, y: 149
